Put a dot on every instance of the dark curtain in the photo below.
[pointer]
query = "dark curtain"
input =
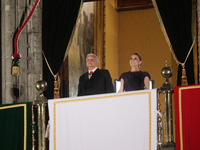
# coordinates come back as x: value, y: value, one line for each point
x: 58, y: 20
x: 177, y: 19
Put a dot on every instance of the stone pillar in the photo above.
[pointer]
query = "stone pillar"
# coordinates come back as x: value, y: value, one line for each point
x: 14, y: 12
x: 8, y: 27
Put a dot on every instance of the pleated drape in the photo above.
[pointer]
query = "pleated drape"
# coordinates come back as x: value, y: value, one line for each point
x: 58, y: 20
x: 175, y: 18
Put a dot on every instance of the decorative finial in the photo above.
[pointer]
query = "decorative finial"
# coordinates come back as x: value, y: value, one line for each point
x: 41, y: 86
x: 41, y: 78
x: 166, y: 63
x: 166, y: 72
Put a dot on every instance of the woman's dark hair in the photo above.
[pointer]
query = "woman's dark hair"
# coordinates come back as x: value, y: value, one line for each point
x: 138, y: 56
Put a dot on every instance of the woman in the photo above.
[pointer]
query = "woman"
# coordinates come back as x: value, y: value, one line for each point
x: 134, y: 79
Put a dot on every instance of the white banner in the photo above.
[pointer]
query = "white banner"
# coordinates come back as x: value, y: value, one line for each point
x: 118, y: 121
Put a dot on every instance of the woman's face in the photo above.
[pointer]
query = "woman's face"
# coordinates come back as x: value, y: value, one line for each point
x: 135, y: 61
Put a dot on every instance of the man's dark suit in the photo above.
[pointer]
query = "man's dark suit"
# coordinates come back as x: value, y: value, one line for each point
x: 99, y: 83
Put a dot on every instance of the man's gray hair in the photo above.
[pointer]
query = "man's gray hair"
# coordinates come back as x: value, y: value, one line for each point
x: 91, y: 54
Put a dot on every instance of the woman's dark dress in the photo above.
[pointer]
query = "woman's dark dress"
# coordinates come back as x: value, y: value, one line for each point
x: 134, y: 80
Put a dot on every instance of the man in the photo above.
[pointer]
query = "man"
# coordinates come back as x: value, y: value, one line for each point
x: 95, y: 81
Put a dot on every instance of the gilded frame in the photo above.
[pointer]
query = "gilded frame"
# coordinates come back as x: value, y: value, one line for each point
x: 99, y: 34
x: 123, y: 5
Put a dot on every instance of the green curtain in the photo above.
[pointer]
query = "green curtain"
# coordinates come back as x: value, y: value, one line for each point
x: 15, y: 126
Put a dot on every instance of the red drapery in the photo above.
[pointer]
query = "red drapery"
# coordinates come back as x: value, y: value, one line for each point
x: 187, y: 120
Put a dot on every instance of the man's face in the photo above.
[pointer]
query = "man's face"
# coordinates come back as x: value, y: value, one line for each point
x: 91, y: 62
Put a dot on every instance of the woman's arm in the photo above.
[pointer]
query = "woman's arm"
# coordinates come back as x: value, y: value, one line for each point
x: 146, y: 82
x: 121, y: 89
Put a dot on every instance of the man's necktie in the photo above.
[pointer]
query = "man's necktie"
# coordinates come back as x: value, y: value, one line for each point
x: 90, y: 74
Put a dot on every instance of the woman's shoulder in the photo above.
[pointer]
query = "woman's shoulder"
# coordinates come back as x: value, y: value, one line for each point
x: 145, y: 73
x: 124, y: 74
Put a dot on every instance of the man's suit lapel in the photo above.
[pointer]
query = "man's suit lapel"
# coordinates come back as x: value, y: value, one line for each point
x: 86, y: 76
x: 96, y: 73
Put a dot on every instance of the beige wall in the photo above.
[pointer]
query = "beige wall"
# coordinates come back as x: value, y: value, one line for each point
x: 111, y: 39
x: 136, y: 31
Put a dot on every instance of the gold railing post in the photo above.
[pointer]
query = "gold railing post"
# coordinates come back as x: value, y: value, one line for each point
x: 159, y: 122
x: 38, y: 109
x: 167, y: 91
